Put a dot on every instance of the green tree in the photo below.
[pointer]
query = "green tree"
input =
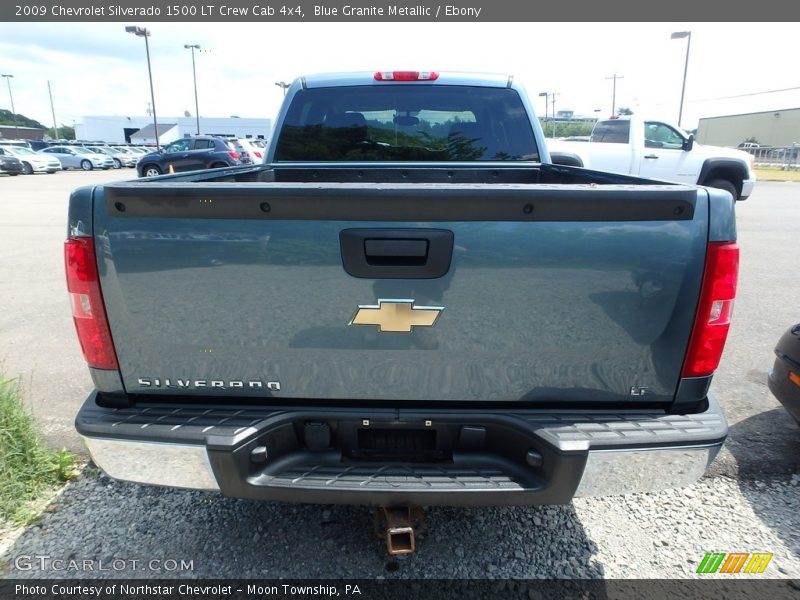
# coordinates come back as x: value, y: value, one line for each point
x: 566, y: 128
x: 64, y: 133
x: 7, y: 118
x: 624, y: 111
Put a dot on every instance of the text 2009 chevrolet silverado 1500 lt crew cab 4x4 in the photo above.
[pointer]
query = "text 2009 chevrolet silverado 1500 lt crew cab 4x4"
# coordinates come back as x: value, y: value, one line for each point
x: 407, y: 304
x: 655, y: 149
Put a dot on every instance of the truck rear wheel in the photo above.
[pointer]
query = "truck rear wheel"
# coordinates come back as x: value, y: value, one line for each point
x: 724, y: 184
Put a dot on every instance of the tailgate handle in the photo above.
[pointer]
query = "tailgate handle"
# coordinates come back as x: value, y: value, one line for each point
x: 396, y: 253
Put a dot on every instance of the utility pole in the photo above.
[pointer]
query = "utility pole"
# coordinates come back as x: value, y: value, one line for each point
x: 11, y: 97
x: 194, y: 47
x: 53, y: 111
x: 677, y: 35
x: 614, y: 93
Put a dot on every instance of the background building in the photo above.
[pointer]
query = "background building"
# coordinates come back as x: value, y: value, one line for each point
x: 10, y: 132
x: 768, y: 128
x: 140, y: 130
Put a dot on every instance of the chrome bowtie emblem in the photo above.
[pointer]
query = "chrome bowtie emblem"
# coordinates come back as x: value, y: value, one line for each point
x: 396, y: 315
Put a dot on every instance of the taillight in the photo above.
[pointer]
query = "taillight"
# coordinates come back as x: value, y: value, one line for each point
x: 406, y: 75
x: 257, y: 153
x: 88, y: 310
x: 233, y: 155
x: 713, y: 318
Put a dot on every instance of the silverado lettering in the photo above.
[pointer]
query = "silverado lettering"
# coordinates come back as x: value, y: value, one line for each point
x: 147, y: 382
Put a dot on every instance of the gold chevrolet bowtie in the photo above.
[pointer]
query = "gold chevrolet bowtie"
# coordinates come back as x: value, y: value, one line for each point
x: 396, y: 315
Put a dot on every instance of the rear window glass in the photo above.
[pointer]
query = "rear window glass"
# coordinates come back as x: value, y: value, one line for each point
x: 406, y: 123
x: 611, y: 132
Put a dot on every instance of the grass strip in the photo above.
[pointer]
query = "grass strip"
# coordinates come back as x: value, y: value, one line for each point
x: 28, y: 468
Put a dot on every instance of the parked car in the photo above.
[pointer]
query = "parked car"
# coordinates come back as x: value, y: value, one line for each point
x: 118, y: 155
x: 749, y: 146
x: 32, y: 162
x: 138, y: 151
x: 250, y: 150
x: 77, y: 157
x: 190, y: 154
x: 10, y: 165
x: 784, y: 377
x: 38, y: 144
x: 17, y: 143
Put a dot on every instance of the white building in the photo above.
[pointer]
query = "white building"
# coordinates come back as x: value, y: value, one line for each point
x: 140, y: 130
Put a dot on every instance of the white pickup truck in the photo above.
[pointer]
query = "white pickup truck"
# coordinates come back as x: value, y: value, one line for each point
x: 658, y: 150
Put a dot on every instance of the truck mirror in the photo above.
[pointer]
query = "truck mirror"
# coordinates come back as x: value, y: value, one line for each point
x: 688, y: 143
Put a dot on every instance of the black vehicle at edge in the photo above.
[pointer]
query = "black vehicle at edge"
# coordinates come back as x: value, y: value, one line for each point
x: 10, y: 165
x: 189, y: 154
x: 784, y: 377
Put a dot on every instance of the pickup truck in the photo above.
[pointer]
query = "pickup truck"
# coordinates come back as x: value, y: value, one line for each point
x: 659, y: 150
x: 408, y: 304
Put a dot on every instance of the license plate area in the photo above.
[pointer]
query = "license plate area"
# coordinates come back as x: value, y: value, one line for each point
x: 395, y: 443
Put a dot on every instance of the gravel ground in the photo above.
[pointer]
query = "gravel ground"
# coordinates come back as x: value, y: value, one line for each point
x: 653, y: 535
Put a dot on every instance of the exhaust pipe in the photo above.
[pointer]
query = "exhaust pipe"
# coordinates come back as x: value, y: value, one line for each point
x: 399, y: 526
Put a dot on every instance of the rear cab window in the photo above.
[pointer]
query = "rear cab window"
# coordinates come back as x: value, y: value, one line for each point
x: 617, y: 131
x: 406, y: 123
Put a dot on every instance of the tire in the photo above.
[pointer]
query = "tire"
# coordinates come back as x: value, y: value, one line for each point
x: 724, y: 184
x: 218, y: 166
x: 87, y: 165
x: 27, y: 169
x: 117, y: 163
x: 151, y: 171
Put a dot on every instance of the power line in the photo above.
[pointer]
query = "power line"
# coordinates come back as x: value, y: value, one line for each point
x: 748, y: 94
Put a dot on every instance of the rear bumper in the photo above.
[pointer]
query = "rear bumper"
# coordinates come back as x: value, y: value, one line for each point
x: 482, y: 458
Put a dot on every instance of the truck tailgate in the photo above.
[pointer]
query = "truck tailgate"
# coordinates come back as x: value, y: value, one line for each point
x: 553, y: 293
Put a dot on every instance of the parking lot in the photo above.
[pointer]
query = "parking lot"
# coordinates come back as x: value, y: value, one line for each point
x: 750, y: 500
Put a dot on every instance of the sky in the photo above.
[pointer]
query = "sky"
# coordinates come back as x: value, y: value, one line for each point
x: 98, y: 69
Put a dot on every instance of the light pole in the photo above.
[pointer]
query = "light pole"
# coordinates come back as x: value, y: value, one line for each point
x: 283, y: 85
x: 53, y: 111
x: 11, y: 97
x: 544, y: 95
x: 145, y: 33
x: 194, y: 47
x: 676, y: 35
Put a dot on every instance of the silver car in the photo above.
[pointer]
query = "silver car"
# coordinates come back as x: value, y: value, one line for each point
x: 32, y: 162
x: 120, y: 157
x: 76, y: 157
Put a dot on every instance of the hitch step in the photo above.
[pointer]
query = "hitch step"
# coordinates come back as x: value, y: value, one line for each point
x: 399, y: 526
